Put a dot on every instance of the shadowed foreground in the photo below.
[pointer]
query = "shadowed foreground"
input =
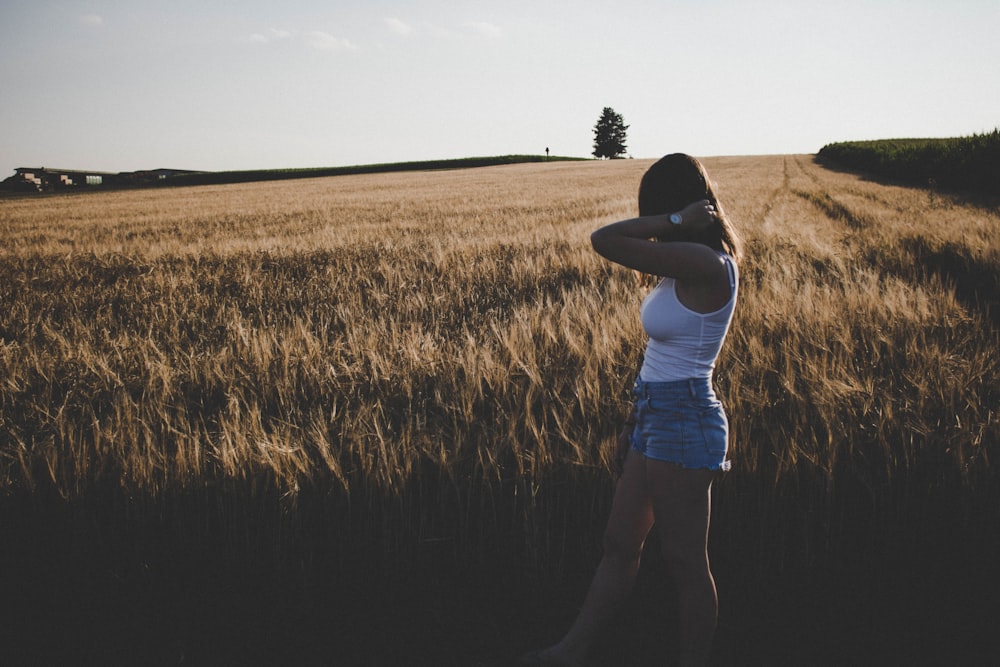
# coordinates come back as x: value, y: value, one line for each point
x: 106, y: 581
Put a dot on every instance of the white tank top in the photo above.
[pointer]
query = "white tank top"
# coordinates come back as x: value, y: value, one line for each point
x: 682, y: 343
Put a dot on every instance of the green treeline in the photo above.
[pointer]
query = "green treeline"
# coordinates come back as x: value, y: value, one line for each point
x: 222, y: 177
x: 964, y: 163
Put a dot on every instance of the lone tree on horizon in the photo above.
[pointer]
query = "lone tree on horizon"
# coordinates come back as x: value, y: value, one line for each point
x: 609, y: 135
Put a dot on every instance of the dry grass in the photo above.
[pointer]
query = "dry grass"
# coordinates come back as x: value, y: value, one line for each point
x: 367, y: 333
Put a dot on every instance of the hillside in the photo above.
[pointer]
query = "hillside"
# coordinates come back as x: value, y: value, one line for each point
x: 54, y: 180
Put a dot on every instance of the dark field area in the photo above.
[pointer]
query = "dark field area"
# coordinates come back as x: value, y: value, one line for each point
x: 324, y: 581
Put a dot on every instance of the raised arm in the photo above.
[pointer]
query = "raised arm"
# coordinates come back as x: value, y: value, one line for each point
x: 629, y: 243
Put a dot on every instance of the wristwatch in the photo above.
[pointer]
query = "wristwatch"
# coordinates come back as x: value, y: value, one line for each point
x: 675, y: 218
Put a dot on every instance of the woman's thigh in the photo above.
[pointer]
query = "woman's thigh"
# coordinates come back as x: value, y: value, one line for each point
x: 681, y: 500
x: 631, y: 509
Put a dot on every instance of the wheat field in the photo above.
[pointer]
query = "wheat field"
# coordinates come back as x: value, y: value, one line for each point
x: 444, y: 351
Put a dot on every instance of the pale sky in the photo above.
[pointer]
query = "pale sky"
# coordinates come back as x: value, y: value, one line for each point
x: 121, y: 85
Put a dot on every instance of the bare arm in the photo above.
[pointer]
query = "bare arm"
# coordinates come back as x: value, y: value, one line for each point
x: 628, y: 243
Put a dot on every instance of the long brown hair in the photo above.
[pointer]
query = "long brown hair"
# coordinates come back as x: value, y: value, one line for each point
x: 677, y: 180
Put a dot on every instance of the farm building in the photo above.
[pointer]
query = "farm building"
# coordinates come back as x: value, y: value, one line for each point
x: 47, y: 178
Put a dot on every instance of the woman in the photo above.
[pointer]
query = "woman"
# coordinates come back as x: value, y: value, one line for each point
x: 675, y: 440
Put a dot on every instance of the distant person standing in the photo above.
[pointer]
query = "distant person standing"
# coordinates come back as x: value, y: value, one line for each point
x: 546, y: 152
x: 675, y: 440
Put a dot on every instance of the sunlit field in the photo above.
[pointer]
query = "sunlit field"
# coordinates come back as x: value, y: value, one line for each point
x: 256, y: 422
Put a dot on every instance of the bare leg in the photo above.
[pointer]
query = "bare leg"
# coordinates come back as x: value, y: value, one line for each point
x: 630, y: 522
x: 682, y: 507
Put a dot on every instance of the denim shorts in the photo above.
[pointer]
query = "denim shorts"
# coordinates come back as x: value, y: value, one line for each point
x: 681, y: 422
